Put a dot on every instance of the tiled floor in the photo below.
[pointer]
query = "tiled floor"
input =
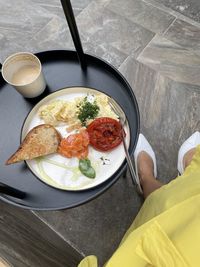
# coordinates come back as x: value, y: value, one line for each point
x: 190, y: 8
x: 158, y: 51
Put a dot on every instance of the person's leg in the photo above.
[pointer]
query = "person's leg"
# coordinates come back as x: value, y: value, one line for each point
x: 146, y: 176
x: 188, y: 157
x: 145, y: 171
x: 166, y: 197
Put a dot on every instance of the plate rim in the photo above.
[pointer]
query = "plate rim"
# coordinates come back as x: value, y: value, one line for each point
x: 55, y: 92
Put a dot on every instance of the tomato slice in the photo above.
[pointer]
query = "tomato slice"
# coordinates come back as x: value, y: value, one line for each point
x: 105, y: 133
x: 75, y: 145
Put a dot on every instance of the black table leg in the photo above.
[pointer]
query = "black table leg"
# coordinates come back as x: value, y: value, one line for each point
x: 69, y: 14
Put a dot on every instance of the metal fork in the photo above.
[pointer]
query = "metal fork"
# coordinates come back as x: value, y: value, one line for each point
x: 122, y: 119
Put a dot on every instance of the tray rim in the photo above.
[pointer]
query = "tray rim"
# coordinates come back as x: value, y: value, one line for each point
x: 113, y: 180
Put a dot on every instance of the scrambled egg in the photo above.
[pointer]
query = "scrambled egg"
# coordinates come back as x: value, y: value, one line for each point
x: 59, y: 111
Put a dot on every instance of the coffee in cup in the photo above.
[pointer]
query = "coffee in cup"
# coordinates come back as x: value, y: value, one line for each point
x: 24, y: 72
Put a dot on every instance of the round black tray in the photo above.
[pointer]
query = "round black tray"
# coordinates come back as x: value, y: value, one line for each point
x: 61, y: 69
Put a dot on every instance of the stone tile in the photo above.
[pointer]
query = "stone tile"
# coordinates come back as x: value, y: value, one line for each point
x: 25, y: 16
x: 55, y: 35
x: 172, y: 60
x: 143, y: 14
x: 184, y: 34
x: 16, y: 31
x: 112, y: 29
x: 26, y: 241
x: 190, y: 8
x: 114, y: 48
x: 55, y: 7
x: 49, y: 2
x: 104, y: 51
x: 54, y: 10
x: 169, y: 112
x: 12, y: 41
x: 79, y: 5
x: 98, y: 226
x: 174, y: 13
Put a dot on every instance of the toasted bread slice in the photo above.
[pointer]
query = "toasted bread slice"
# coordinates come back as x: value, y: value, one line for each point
x: 41, y: 140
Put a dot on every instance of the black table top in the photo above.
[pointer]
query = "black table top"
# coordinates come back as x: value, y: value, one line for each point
x: 61, y: 69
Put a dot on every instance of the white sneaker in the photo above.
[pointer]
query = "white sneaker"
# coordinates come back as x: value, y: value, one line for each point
x: 143, y: 145
x: 190, y: 143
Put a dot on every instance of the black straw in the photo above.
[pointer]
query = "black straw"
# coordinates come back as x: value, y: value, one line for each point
x: 69, y: 14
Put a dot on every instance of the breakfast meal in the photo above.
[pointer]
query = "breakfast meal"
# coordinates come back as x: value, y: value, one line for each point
x: 40, y: 141
x: 78, y: 128
x: 77, y: 113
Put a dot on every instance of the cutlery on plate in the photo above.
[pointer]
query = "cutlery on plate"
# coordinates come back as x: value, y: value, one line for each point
x: 122, y: 119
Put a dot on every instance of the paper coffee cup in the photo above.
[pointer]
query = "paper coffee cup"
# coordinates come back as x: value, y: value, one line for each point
x: 24, y: 72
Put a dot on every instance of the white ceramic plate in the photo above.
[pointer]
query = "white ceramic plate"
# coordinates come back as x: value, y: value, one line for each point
x: 63, y: 173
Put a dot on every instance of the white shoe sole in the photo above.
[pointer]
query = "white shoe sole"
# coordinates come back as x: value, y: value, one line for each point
x: 143, y: 145
x: 190, y: 143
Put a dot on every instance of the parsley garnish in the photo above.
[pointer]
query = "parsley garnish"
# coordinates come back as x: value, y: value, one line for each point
x: 87, y: 110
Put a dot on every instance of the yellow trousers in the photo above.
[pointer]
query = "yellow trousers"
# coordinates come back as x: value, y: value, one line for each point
x: 166, y: 231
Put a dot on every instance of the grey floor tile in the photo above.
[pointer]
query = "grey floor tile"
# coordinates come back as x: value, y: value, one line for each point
x: 172, y: 60
x: 49, y: 2
x: 184, y: 34
x: 114, y: 48
x: 54, y: 10
x: 12, y: 41
x: 105, y: 51
x: 190, y: 8
x: 55, y: 6
x: 28, y: 242
x: 112, y: 29
x: 18, y: 23
x: 55, y: 35
x: 97, y: 227
x: 25, y: 16
x: 169, y: 112
x: 143, y: 14
x: 173, y: 12
x: 79, y: 5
